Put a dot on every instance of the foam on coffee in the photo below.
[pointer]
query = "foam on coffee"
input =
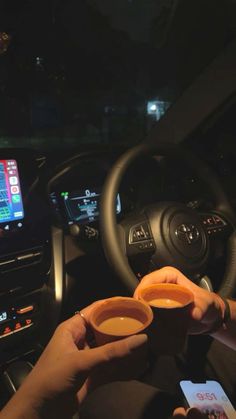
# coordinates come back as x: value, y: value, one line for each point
x: 120, y: 324
x: 165, y: 302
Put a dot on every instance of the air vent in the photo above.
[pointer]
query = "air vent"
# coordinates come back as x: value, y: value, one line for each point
x: 26, y: 258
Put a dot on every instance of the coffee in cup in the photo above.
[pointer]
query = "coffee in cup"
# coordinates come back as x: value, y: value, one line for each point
x: 119, y: 317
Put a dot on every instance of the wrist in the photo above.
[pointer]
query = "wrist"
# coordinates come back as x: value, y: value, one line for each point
x: 22, y: 405
x: 227, y: 312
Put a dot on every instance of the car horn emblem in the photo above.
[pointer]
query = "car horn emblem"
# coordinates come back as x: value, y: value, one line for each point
x: 187, y: 233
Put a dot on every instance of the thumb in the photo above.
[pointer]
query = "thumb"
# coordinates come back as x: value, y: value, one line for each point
x: 179, y: 412
x: 191, y: 413
x: 88, y: 359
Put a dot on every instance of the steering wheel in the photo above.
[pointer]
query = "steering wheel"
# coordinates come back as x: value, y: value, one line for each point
x: 168, y: 233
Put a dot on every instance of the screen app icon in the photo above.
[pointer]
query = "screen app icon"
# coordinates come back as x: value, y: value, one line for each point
x: 13, y: 180
x: 14, y: 189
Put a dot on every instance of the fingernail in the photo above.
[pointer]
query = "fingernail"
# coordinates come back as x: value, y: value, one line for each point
x: 137, y: 340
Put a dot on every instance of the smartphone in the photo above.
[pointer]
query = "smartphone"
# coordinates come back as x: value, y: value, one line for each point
x: 209, y: 397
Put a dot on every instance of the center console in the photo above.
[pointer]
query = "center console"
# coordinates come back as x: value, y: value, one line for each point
x: 25, y: 252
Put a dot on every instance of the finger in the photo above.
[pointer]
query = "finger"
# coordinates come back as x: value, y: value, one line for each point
x: 198, y: 314
x: 194, y: 413
x: 84, y: 362
x: 179, y: 412
x: 83, y: 392
x: 87, y: 360
x: 203, y: 303
x: 87, y: 311
x: 168, y: 274
x: 191, y: 413
x: 75, y: 327
x: 71, y: 329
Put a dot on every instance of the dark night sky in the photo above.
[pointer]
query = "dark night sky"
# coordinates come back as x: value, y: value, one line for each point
x: 198, y: 31
x: 96, y: 52
x: 132, y: 16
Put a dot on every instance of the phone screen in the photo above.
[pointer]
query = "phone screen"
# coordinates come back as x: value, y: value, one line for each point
x: 209, y: 398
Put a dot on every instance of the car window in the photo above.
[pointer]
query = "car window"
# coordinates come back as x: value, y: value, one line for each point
x: 100, y: 71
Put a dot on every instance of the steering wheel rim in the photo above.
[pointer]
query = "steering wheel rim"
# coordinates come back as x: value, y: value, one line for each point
x: 109, y: 228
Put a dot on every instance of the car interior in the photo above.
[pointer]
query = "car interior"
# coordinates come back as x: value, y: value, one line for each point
x: 98, y: 190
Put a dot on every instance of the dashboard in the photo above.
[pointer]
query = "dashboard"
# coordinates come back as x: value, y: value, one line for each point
x: 25, y: 250
x: 69, y: 192
x: 75, y: 193
x: 41, y: 198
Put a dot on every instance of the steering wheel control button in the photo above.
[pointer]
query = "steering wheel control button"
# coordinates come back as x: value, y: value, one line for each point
x: 150, y: 244
x: 140, y: 239
x: 218, y: 221
x: 147, y: 245
x: 139, y: 232
x: 214, y: 224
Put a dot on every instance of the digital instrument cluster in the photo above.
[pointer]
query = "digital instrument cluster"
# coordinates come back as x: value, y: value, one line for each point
x: 80, y: 206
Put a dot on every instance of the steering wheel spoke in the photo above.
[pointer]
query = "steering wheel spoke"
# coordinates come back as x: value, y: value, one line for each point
x: 216, y: 225
x: 138, y: 236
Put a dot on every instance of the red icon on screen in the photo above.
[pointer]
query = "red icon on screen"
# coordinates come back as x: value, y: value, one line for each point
x: 14, y: 189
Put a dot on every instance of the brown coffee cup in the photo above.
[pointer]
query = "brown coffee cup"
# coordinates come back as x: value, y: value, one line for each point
x: 119, y: 317
x: 171, y: 305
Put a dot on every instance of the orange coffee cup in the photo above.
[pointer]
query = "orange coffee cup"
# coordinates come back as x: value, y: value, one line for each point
x: 118, y: 317
x: 171, y: 305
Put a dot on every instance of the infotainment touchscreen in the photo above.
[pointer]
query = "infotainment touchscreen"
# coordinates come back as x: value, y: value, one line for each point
x: 83, y: 206
x: 11, y: 205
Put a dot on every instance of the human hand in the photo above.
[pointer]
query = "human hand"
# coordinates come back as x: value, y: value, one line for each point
x: 60, y: 379
x: 208, y: 308
x: 192, y: 413
x: 123, y: 368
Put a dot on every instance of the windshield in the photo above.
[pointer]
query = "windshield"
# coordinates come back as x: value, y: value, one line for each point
x: 100, y: 71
